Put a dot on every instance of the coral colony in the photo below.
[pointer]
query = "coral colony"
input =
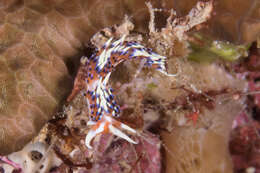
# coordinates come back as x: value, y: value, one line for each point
x: 93, y: 77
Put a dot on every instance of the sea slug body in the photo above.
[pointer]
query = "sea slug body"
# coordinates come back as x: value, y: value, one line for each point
x: 93, y: 77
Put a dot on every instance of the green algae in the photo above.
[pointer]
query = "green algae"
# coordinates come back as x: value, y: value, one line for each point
x: 207, y: 50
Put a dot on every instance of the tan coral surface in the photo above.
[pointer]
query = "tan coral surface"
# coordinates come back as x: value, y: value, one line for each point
x: 203, y: 147
x: 39, y: 42
x: 234, y: 20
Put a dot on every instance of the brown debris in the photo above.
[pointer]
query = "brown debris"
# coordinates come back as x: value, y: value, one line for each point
x: 176, y: 28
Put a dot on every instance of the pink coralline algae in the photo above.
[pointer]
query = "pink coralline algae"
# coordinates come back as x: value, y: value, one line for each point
x: 116, y: 155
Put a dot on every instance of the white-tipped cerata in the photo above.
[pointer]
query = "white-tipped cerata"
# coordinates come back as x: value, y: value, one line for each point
x: 91, y: 123
x: 126, y: 127
x: 120, y: 134
x: 92, y: 134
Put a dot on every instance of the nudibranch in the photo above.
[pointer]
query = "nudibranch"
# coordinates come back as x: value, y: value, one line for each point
x: 93, y: 76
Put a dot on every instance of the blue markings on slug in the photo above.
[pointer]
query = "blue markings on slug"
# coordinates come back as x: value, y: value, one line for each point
x: 110, y: 55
